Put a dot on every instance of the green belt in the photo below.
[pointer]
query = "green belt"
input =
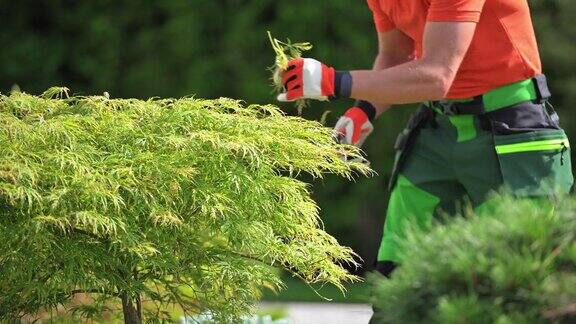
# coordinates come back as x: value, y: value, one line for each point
x: 534, y: 89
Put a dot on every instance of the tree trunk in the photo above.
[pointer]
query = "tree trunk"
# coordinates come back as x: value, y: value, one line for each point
x: 131, y: 309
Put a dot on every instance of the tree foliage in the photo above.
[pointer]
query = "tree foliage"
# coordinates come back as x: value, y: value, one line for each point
x: 514, y: 264
x: 190, y: 202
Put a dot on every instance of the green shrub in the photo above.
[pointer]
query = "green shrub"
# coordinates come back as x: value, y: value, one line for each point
x: 184, y: 202
x: 513, y: 264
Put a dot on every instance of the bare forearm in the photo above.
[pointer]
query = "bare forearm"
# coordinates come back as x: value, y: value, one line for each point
x: 410, y: 82
x: 382, y: 62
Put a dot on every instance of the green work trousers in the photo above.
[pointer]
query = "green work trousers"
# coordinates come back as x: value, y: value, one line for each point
x: 465, y: 159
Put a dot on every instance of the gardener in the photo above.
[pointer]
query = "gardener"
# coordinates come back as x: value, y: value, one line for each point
x: 484, y: 124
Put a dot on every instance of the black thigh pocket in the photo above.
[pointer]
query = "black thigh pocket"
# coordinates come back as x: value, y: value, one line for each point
x: 535, y: 163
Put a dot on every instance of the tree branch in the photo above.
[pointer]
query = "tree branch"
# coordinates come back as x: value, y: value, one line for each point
x: 103, y: 240
x: 93, y: 291
x: 557, y: 313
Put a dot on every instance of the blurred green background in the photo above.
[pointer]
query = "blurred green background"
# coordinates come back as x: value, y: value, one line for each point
x: 214, y: 48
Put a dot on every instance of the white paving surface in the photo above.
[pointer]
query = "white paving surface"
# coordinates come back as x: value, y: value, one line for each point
x: 323, y: 313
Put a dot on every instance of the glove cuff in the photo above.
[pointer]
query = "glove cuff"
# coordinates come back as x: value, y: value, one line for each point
x: 357, y: 115
x: 367, y: 108
x: 342, y: 85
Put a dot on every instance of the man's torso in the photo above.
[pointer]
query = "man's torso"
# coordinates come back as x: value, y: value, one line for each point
x: 503, y: 49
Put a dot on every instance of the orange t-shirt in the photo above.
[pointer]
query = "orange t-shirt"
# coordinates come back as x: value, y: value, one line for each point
x: 503, y: 49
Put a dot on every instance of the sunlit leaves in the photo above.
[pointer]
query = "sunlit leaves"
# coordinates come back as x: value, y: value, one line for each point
x: 157, y: 197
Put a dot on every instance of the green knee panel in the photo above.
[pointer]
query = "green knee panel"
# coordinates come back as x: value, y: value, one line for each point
x: 408, y: 206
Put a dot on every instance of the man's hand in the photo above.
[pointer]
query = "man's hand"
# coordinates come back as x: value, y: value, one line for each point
x: 353, y: 128
x: 307, y: 78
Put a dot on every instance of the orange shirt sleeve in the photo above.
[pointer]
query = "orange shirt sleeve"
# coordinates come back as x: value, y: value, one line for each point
x: 381, y: 19
x: 455, y: 10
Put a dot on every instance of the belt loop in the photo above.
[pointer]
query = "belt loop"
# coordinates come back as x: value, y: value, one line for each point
x: 541, y: 87
x: 485, y: 122
x: 476, y: 107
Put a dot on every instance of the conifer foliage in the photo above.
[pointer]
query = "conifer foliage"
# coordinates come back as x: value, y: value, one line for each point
x: 185, y: 202
x: 513, y: 264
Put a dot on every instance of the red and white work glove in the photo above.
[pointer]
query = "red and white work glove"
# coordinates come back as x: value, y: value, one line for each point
x: 307, y: 78
x: 355, y: 126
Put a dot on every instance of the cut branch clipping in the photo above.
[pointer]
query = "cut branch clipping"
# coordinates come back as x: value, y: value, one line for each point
x: 286, y: 51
